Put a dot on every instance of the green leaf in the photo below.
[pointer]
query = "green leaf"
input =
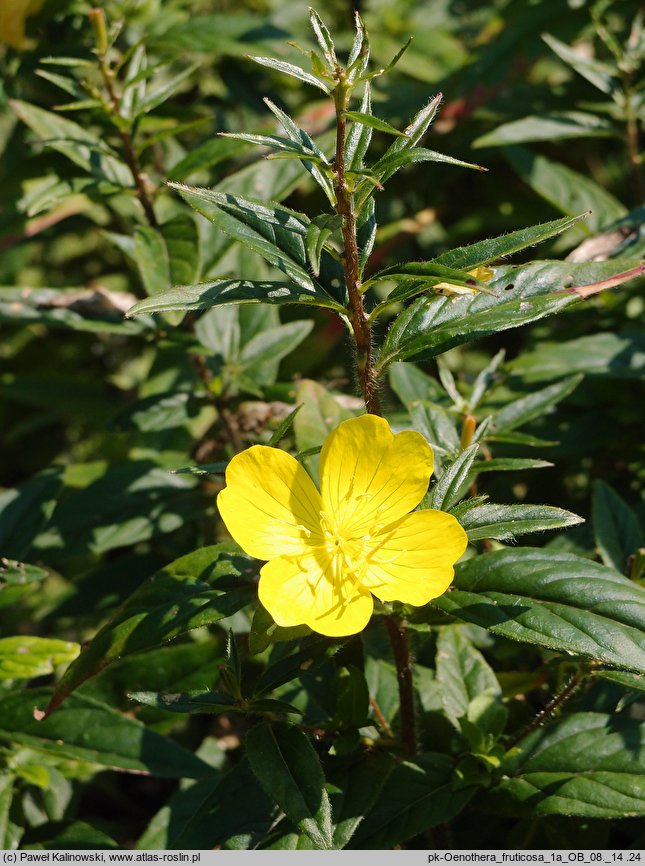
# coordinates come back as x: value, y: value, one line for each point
x: 290, y: 69
x: 74, y: 836
x: 487, y: 251
x: 319, y: 230
x: 158, y: 412
x: 230, y: 812
x: 269, y: 229
x: 321, y: 412
x: 302, y: 139
x: 521, y: 411
x: 438, y: 426
x: 219, y: 292
x: 22, y: 658
x: 596, y: 72
x: 507, y: 464
x: 9, y: 832
x: 195, y: 590
x: 158, y: 93
x: 417, y: 795
x: 589, y: 764
x: 425, y: 275
x: 616, y: 528
x: 553, y: 126
x: 506, y: 522
x: 356, y: 791
x: 70, y: 139
x: 26, y: 510
x: 187, y: 702
x: 462, y: 672
x: 283, y: 427
x: 367, y: 119
x: 292, y: 659
x: 151, y: 257
x: 568, y: 191
x: 620, y: 356
x: 208, y: 154
x: 454, y: 481
x: 411, y: 384
x: 555, y: 600
x: 93, y: 311
x: 360, y: 134
x: 289, y: 770
x: 184, y: 249
x: 259, y: 356
x: 352, y: 702
x: 324, y: 38
x: 87, y: 730
x: 526, y: 293
x: 128, y: 503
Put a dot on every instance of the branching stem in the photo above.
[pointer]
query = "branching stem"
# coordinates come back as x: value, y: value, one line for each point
x: 129, y: 152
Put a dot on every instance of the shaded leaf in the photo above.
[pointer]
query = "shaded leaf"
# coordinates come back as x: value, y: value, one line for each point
x: 26, y: 510
x: 616, y: 528
x: 87, y: 730
x: 417, y: 795
x: 289, y: 771
x: 195, y: 590
x: 75, y: 142
x: 519, y: 412
x: 553, y: 126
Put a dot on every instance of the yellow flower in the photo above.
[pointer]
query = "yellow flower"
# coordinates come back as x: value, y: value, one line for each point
x: 330, y: 552
x: 13, y: 14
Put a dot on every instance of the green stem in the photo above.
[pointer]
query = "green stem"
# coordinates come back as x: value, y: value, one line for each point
x: 359, y: 322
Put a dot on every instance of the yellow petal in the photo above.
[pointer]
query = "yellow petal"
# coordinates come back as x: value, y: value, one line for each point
x: 369, y: 475
x: 303, y: 591
x: 413, y: 562
x: 270, y: 505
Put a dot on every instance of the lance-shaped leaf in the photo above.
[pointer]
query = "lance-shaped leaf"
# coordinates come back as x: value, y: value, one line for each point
x: 589, y: 764
x: 324, y: 37
x: 506, y: 522
x: 282, y: 144
x: 360, y: 133
x: 302, y: 139
x: 195, y: 590
x: 525, y: 293
x: 356, y: 791
x: 413, y: 278
x: 454, y: 481
x: 597, y: 73
x: 617, y: 532
x: 553, y: 126
x: 319, y: 230
x: 486, y: 251
x: 367, y: 119
x: 413, y: 133
x: 462, y: 672
x: 26, y: 510
x: 555, y: 600
x: 292, y: 70
x: 418, y: 795
x: 524, y: 409
x: 75, y: 142
x: 269, y: 229
x: 359, y: 54
x: 219, y: 292
x: 88, y: 730
x: 289, y: 770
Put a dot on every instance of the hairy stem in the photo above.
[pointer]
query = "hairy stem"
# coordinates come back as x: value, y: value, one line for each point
x: 398, y: 635
x: 569, y: 687
x: 345, y: 208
